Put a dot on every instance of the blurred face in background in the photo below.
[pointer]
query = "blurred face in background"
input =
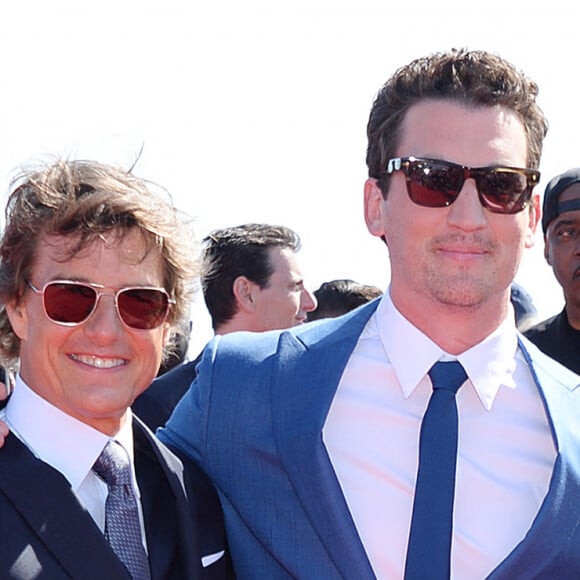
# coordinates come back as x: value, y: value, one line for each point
x: 285, y: 301
x: 562, y: 247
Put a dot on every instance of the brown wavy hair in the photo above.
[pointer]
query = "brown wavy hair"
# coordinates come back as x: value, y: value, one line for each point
x: 89, y: 200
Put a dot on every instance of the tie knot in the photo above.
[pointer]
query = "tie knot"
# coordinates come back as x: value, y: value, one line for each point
x: 448, y: 375
x: 112, y: 465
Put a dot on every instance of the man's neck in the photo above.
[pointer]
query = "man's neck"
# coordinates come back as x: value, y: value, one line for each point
x: 454, y: 328
x: 236, y: 324
x: 573, y: 315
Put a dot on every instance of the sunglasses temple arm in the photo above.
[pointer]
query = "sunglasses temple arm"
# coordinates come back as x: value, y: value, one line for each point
x: 394, y: 165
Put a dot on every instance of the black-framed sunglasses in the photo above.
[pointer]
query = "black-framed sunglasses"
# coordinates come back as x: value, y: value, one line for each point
x: 71, y: 303
x: 437, y: 183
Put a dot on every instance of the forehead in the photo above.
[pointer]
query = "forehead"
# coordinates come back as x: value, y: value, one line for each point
x: 120, y: 253
x: 475, y: 136
x: 284, y: 260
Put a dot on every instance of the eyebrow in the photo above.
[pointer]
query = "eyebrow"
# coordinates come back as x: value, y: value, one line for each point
x: 566, y: 222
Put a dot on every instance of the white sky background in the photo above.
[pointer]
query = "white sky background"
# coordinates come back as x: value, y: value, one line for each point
x: 256, y: 110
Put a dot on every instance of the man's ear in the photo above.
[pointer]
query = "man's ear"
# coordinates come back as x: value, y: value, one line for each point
x: 533, y: 221
x: 18, y: 316
x: 373, y: 205
x: 244, y: 292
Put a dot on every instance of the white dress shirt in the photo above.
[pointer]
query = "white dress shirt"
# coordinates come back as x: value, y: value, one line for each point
x: 505, y: 456
x: 68, y: 445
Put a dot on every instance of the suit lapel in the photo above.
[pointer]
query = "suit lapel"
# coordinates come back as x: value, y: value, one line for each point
x: 44, y: 499
x: 171, y: 533
x: 309, y: 367
x: 557, y: 518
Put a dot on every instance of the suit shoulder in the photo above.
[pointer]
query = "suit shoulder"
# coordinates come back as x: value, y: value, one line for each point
x: 545, y: 328
x: 253, y: 347
x: 244, y: 348
x: 551, y: 370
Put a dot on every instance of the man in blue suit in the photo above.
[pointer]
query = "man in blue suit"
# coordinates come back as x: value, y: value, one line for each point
x: 312, y: 435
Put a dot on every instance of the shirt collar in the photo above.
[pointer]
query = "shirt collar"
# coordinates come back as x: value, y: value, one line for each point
x: 65, y: 443
x: 489, y: 364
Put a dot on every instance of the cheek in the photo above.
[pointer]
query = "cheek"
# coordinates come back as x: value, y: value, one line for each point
x: 152, y: 346
x: 148, y: 355
x: 157, y: 339
x: 297, y: 301
x: 549, y: 253
x: 403, y: 242
x: 558, y: 256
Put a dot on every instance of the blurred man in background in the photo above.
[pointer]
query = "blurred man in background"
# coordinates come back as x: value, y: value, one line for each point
x: 338, y: 297
x: 559, y: 336
x: 251, y: 280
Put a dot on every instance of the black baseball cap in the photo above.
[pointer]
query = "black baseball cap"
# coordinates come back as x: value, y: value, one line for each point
x: 551, y: 208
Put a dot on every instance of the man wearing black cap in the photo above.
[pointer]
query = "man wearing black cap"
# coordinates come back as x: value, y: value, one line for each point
x: 559, y: 336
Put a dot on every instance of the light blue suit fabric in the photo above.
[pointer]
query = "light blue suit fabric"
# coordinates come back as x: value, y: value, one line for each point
x: 253, y: 420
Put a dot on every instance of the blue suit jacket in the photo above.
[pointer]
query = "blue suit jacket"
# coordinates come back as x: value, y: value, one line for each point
x: 253, y: 419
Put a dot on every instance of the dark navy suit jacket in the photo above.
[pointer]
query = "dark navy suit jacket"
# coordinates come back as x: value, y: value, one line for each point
x: 45, y: 533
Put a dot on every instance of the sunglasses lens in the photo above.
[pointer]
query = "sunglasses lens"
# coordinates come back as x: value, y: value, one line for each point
x: 504, y: 191
x: 143, y: 308
x: 69, y: 303
x: 431, y: 184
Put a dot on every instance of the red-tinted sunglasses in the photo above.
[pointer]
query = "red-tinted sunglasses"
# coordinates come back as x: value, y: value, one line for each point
x: 71, y: 303
x: 437, y: 183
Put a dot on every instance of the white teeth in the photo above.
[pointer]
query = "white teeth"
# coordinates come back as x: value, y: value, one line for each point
x: 100, y: 363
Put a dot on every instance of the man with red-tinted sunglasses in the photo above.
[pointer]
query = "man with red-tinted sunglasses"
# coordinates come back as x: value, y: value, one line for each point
x: 420, y: 436
x: 94, y: 277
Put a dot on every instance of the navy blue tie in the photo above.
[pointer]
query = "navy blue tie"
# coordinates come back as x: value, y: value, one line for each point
x: 429, y: 549
x: 122, y: 526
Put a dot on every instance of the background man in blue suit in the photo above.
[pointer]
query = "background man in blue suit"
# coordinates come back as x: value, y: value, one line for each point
x: 311, y: 435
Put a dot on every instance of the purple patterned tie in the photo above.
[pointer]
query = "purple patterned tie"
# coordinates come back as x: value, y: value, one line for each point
x: 122, y: 526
